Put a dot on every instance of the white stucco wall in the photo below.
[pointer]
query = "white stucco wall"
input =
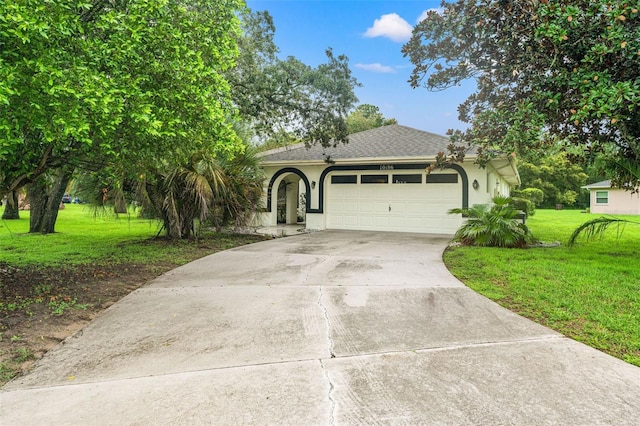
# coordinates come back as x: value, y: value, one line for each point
x: 490, y: 183
x: 619, y: 202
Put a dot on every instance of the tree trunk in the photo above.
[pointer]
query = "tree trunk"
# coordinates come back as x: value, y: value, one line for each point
x: 120, y: 204
x: 187, y: 228
x: 37, y: 195
x: 46, y: 214
x: 11, y: 210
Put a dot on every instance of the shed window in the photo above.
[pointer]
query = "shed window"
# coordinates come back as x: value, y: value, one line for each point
x: 374, y: 179
x: 442, y: 178
x: 344, y: 179
x: 407, y: 178
x: 602, y: 197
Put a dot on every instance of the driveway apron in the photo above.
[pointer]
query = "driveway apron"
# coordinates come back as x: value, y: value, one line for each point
x: 333, y: 327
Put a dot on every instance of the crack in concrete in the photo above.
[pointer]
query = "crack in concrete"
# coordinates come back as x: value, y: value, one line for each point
x: 331, y: 389
x: 312, y: 267
x: 327, y: 321
x: 332, y: 354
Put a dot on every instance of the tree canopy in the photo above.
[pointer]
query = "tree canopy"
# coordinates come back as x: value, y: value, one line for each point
x: 548, y: 73
x: 559, y: 179
x: 365, y: 117
x: 276, y: 96
x: 135, y: 87
x: 112, y: 80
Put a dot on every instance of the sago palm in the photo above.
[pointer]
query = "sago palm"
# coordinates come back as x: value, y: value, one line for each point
x: 496, y: 225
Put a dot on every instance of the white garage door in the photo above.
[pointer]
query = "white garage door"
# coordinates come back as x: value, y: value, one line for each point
x: 397, y: 202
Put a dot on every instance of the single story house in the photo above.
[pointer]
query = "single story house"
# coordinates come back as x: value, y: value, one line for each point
x: 378, y: 182
x: 605, y: 199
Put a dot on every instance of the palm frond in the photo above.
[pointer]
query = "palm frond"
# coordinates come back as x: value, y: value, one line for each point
x: 596, y: 228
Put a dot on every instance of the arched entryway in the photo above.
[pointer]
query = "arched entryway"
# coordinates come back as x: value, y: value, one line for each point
x: 288, y: 192
x: 291, y: 201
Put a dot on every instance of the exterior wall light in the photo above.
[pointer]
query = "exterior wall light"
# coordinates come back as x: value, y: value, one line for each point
x: 475, y: 184
x: 313, y: 184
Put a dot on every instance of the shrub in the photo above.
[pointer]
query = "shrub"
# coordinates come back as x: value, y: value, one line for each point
x: 524, y: 205
x: 493, y: 226
x: 535, y: 195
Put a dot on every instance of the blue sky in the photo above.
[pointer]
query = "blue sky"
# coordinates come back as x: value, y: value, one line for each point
x: 371, y: 33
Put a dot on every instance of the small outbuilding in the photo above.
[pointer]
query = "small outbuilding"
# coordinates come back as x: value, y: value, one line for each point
x: 604, y: 199
x: 378, y: 181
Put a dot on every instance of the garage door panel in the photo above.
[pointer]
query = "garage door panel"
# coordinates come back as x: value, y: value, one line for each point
x: 409, y: 207
x: 381, y: 222
x: 366, y: 221
x: 366, y: 192
x: 351, y: 220
x: 366, y: 208
x: 402, y: 222
x: 350, y: 206
x: 379, y: 192
x: 380, y: 207
x: 350, y: 192
x: 414, y: 207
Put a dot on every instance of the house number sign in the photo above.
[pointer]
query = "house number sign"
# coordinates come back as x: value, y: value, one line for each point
x: 386, y: 167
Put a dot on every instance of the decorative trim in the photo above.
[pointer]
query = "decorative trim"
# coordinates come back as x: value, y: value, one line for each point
x: 465, y: 183
x: 370, y: 167
x: 389, y: 167
x: 279, y: 173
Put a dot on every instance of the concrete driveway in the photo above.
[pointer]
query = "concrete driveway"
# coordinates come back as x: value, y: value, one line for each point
x: 345, y: 328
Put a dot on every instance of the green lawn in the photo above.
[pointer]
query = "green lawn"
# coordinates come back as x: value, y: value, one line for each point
x: 82, y: 237
x: 590, y: 292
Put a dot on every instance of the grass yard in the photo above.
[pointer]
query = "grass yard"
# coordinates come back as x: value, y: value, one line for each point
x: 83, y: 237
x: 52, y: 285
x: 590, y: 292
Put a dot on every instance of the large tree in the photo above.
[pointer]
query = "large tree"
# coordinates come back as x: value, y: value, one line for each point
x: 365, y: 117
x: 559, y: 179
x: 547, y: 72
x: 111, y: 81
x: 278, y: 96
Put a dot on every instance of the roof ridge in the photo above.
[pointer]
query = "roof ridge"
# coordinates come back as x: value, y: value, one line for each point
x: 281, y: 149
x: 391, y: 141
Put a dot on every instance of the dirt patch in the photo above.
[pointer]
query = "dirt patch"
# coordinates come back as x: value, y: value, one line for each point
x: 40, y: 307
x: 43, y: 306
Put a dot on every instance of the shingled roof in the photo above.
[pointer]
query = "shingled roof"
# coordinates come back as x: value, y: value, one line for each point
x: 598, y: 185
x: 394, y: 141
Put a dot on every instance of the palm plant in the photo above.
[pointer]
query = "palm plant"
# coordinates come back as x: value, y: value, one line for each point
x: 243, y: 195
x: 225, y: 190
x: 189, y: 191
x: 493, y: 226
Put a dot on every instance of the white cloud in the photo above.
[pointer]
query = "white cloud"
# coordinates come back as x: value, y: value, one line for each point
x: 377, y: 67
x: 426, y: 12
x: 391, y: 26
